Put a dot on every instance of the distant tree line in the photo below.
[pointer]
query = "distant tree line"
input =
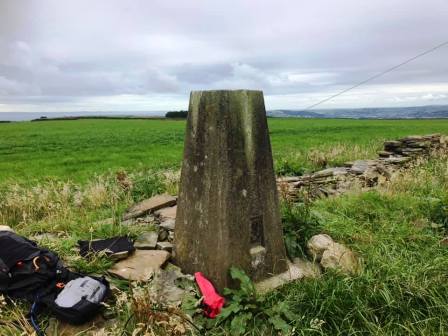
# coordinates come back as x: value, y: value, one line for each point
x: 176, y: 114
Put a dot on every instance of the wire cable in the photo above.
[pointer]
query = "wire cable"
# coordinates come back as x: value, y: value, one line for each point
x: 377, y: 75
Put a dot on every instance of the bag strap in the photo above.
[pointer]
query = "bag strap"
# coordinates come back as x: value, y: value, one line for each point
x: 33, y: 316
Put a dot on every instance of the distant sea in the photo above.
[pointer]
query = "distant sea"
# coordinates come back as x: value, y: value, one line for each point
x: 412, y: 112
x: 24, y: 116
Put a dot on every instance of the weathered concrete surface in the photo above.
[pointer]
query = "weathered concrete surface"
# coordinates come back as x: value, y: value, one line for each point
x: 228, y: 200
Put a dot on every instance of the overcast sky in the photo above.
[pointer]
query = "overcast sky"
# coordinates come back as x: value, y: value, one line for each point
x: 143, y: 55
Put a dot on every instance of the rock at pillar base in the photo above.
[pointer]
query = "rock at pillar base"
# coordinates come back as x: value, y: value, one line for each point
x: 228, y: 211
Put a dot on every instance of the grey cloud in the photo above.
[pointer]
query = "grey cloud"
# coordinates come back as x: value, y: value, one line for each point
x: 86, y: 50
x: 202, y: 74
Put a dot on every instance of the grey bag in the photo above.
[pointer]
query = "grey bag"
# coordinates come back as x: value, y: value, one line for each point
x: 85, y: 288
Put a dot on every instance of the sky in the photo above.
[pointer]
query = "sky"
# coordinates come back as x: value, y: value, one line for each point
x: 140, y: 55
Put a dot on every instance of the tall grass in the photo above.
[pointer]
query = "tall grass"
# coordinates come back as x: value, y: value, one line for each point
x: 403, y: 287
x: 396, y: 229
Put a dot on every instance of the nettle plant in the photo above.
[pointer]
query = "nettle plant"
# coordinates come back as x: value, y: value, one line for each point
x: 247, y: 310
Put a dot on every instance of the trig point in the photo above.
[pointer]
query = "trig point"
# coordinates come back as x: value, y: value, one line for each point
x: 228, y: 210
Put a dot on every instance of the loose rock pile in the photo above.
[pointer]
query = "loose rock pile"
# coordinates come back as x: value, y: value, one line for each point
x: 331, y: 255
x: 396, y: 155
x: 159, y: 210
x: 153, y: 247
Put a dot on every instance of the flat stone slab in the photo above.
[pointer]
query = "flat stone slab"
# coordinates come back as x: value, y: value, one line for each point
x: 168, y: 224
x: 298, y: 269
x: 360, y: 166
x: 330, y: 172
x: 384, y: 154
x: 119, y: 256
x: 392, y: 144
x: 6, y: 228
x: 165, y: 246
x: 146, y: 241
x: 397, y: 160
x: 141, y: 265
x: 288, y: 179
x: 167, y: 213
x: 149, y: 205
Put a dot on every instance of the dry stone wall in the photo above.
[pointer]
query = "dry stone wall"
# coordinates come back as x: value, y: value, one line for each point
x: 397, y: 155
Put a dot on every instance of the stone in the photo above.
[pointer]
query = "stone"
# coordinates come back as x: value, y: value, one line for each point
x: 412, y: 150
x: 171, y: 236
x: 340, y: 171
x: 6, y: 228
x: 171, y: 267
x: 391, y: 145
x: 397, y: 160
x: 146, y: 241
x: 413, y: 138
x: 317, y: 244
x: 328, y: 173
x: 339, y: 257
x: 143, y: 220
x: 130, y: 221
x: 384, y: 154
x: 167, y: 213
x: 163, y: 234
x: 421, y: 145
x: 288, y: 179
x: 165, y: 246
x: 360, y: 166
x: 119, y: 256
x: 228, y: 200
x: 166, y: 285
x: 323, y: 173
x: 297, y: 270
x: 168, y: 224
x: 141, y: 265
x: 149, y: 205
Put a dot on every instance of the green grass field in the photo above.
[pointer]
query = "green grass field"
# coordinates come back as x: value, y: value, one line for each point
x: 77, y: 150
x: 58, y: 177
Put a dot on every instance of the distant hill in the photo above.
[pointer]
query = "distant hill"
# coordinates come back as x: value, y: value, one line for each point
x: 416, y: 112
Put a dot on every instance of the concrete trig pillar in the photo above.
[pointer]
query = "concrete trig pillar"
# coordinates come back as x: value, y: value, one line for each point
x: 228, y: 210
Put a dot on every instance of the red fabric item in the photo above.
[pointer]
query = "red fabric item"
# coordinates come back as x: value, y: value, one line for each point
x: 213, y: 302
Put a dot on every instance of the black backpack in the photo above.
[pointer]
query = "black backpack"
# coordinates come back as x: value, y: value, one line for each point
x: 38, y: 276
